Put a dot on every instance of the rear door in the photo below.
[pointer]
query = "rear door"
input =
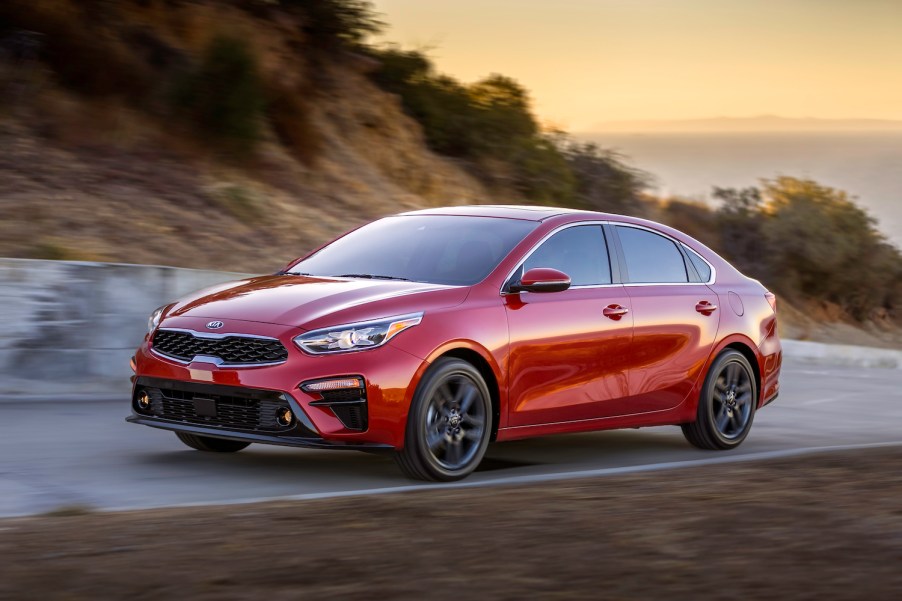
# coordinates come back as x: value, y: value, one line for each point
x: 675, y: 318
x: 567, y: 357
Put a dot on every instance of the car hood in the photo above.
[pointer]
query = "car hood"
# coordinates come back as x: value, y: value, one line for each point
x: 312, y: 302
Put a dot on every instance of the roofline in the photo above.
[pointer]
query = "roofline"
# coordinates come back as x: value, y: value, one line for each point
x: 544, y: 212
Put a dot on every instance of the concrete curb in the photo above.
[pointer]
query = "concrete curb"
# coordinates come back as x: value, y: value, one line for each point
x: 68, y: 328
x: 845, y: 355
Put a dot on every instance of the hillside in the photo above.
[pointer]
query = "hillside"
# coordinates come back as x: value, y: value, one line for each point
x: 100, y: 177
x: 239, y: 134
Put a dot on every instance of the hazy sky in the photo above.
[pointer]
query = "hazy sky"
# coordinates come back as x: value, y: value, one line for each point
x: 590, y: 61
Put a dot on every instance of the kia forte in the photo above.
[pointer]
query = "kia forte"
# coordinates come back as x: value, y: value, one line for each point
x: 431, y: 334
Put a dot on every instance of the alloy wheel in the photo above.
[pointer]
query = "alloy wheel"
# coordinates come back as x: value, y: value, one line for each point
x: 455, y: 422
x: 732, y: 402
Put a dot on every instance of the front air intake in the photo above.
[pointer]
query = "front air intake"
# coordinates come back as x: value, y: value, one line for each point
x: 347, y: 403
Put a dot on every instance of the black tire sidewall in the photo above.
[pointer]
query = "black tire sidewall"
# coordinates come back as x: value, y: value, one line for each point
x: 435, y: 377
x: 706, y: 403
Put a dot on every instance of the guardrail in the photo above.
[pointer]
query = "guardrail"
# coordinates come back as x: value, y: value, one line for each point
x: 67, y: 329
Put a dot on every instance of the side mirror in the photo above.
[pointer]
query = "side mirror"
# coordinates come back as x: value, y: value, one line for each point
x: 542, y: 279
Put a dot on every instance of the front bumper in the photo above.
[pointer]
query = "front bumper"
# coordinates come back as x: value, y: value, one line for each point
x: 390, y: 376
x: 254, y: 437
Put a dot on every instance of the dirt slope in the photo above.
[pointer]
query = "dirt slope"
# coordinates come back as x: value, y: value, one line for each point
x: 89, y: 178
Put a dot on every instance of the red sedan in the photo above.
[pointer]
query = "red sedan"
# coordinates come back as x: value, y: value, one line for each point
x: 432, y: 333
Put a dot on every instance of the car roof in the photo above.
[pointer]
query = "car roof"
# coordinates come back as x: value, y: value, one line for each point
x: 527, y: 212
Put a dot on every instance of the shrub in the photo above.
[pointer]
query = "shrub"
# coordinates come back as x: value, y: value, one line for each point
x: 290, y: 116
x: 83, y: 53
x: 694, y: 218
x: 740, y: 229
x: 223, y: 96
x: 810, y: 241
x: 603, y: 181
x: 332, y: 24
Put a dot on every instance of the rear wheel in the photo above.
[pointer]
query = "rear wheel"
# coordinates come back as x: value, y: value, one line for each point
x: 726, y: 406
x: 449, y: 423
x: 213, y: 445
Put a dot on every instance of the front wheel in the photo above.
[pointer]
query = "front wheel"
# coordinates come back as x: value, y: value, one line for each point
x: 726, y: 406
x: 213, y: 445
x: 449, y: 423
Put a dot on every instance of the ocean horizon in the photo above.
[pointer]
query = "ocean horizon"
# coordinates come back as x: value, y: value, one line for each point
x: 867, y: 165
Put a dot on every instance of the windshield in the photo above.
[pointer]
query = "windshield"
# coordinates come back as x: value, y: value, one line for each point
x: 437, y: 249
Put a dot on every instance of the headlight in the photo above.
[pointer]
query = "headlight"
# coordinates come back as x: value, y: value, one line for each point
x: 355, y: 336
x: 154, y: 320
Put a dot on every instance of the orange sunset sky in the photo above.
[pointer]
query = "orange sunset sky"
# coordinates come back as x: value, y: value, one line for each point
x: 592, y: 61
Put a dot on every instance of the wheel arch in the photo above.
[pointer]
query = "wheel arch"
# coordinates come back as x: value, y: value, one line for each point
x: 748, y: 350
x: 491, y: 381
x: 485, y: 364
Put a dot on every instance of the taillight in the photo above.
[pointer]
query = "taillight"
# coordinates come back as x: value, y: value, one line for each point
x: 772, y: 299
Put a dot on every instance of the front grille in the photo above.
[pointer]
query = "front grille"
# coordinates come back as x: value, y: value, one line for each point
x: 232, y: 350
x: 216, y: 410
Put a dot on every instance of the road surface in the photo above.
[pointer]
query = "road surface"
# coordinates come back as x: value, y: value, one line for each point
x: 56, y: 455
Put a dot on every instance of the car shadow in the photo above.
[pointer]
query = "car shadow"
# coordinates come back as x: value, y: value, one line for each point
x: 261, y: 463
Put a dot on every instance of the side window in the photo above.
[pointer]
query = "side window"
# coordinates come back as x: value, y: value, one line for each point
x: 703, y: 269
x: 651, y: 258
x: 578, y: 251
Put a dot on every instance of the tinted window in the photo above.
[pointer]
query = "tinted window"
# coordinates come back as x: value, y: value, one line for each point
x: 439, y: 249
x: 703, y: 269
x: 651, y: 258
x: 579, y: 251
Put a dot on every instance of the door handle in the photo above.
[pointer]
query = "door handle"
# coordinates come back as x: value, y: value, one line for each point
x: 705, y: 308
x: 615, y: 311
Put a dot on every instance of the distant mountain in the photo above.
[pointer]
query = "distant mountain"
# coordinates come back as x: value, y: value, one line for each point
x: 761, y: 123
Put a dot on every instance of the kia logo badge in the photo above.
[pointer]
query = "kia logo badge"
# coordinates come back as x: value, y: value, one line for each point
x: 215, y: 325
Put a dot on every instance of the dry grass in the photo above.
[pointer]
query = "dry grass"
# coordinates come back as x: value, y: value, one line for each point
x: 291, y: 118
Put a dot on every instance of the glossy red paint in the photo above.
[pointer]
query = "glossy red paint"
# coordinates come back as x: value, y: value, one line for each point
x: 585, y: 358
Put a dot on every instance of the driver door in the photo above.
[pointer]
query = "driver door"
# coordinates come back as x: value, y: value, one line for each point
x: 568, y: 360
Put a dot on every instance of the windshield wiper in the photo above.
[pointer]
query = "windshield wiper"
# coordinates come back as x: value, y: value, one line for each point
x: 371, y: 276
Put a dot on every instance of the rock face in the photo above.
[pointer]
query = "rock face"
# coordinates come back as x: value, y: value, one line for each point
x: 104, y: 178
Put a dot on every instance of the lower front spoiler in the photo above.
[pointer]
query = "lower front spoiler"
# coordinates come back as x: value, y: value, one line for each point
x: 285, y: 441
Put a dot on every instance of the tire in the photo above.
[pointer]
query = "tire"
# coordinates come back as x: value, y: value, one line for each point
x: 211, y: 445
x: 449, y: 423
x: 726, y: 405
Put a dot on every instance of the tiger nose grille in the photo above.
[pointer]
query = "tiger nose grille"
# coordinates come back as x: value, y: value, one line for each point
x: 231, y: 350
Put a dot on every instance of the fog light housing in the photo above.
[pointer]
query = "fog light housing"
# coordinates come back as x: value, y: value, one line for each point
x: 284, y: 416
x: 144, y: 401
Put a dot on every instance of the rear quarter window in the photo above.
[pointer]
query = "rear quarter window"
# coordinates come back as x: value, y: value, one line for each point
x: 701, y: 266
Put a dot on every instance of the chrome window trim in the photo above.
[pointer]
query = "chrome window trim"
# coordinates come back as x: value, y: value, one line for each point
x: 678, y: 243
x: 535, y: 247
x: 217, y: 361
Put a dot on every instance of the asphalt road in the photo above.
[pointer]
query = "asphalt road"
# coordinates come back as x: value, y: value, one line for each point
x: 84, y: 454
